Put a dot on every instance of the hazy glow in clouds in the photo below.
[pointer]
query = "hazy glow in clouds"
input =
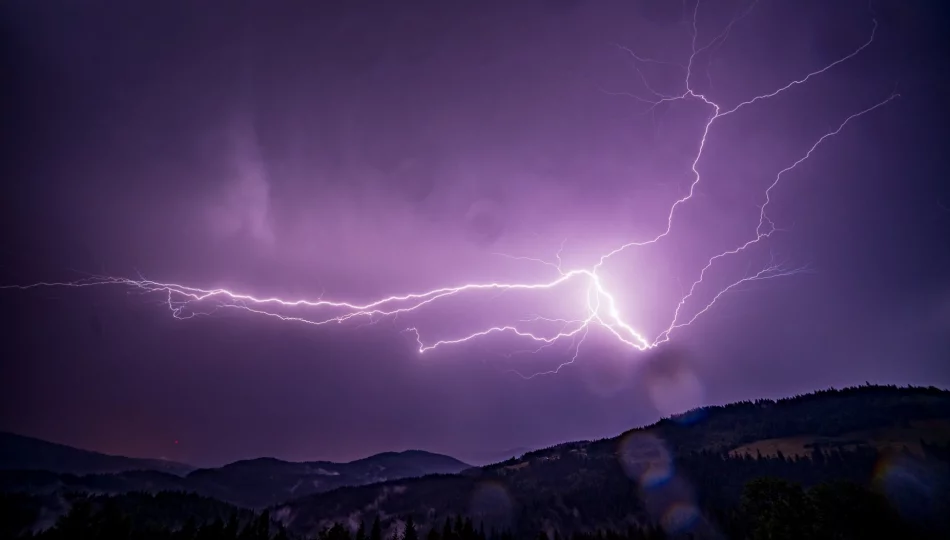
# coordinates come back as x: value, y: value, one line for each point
x: 565, y: 301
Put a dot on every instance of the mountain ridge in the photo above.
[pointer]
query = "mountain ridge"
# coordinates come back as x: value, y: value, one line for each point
x: 9, y: 461
x: 565, y: 486
x: 578, y: 485
x: 22, y: 452
x: 32, y: 465
x: 371, y: 457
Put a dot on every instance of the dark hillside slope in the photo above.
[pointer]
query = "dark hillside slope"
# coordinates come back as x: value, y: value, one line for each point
x: 260, y: 482
x: 683, y: 462
x: 253, y: 483
x: 26, y: 453
x: 822, y: 415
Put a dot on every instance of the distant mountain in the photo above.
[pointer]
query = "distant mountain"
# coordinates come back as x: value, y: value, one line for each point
x: 251, y: 483
x: 688, y: 473
x: 410, y: 463
x: 265, y: 481
x: 26, y: 453
x: 700, y: 458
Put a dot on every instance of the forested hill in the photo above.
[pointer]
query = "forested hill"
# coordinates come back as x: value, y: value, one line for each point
x: 699, y: 459
x: 27, y: 453
x: 847, y: 463
x: 880, y: 416
x: 877, y: 415
x: 254, y: 483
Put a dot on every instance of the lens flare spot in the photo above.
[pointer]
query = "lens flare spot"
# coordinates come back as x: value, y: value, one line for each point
x: 645, y: 459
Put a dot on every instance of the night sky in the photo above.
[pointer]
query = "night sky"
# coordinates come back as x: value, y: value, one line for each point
x: 365, y: 149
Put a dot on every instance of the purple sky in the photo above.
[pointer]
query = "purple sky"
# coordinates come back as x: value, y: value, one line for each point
x: 374, y: 149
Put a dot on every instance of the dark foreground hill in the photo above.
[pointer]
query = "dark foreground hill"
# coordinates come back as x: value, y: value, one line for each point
x: 26, y: 453
x: 690, y: 465
x: 908, y: 501
x: 261, y: 482
x: 254, y: 483
x: 867, y: 462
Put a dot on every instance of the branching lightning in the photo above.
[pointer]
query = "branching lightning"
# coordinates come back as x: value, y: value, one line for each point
x: 598, y: 307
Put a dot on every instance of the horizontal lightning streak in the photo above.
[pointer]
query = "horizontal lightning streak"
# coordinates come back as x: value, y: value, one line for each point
x: 600, y: 306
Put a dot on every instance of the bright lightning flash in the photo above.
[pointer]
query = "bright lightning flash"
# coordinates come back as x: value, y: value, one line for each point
x: 597, y: 307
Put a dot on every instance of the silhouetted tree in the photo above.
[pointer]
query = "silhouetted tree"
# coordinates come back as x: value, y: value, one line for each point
x: 447, y: 533
x: 336, y: 532
x: 409, y: 532
x: 189, y: 530
x: 775, y: 509
x: 231, y: 529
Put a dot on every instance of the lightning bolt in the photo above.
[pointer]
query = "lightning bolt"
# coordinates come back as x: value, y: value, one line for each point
x: 598, y: 307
